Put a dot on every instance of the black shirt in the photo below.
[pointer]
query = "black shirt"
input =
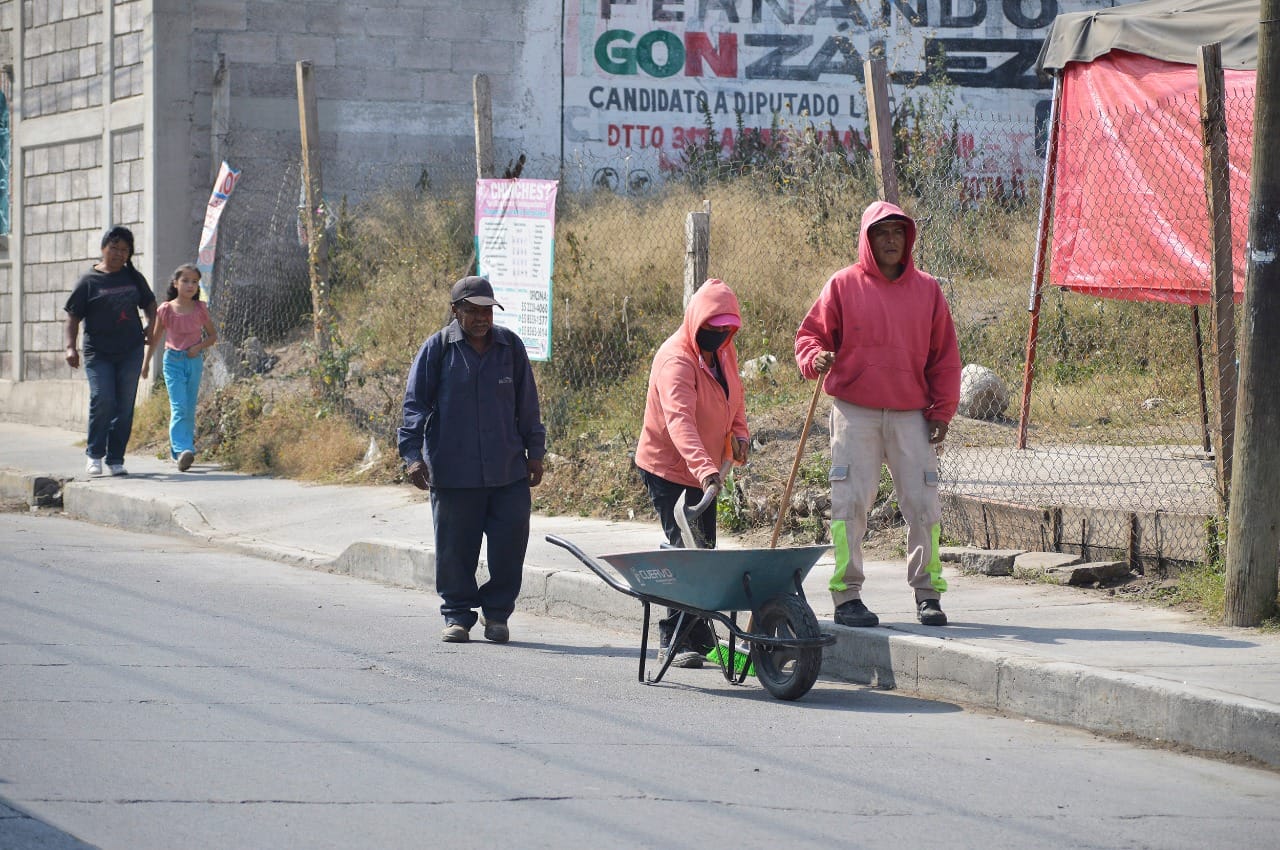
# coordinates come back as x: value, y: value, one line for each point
x: 109, y: 302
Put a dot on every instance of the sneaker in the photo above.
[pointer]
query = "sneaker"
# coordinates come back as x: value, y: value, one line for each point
x: 185, y: 459
x: 855, y: 613
x: 496, y: 632
x: 455, y: 633
x: 687, y: 658
x: 93, y: 466
x: 117, y: 469
x: 929, y: 612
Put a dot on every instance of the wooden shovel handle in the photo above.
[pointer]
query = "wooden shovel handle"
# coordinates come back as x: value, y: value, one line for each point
x: 795, y: 467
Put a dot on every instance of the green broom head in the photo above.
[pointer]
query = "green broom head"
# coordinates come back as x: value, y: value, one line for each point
x: 740, y: 658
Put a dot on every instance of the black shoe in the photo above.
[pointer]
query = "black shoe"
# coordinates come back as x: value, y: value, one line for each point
x: 855, y: 613
x: 929, y: 612
x: 496, y: 632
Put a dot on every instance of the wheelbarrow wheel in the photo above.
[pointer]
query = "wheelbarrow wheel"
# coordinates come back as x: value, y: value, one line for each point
x: 786, y: 672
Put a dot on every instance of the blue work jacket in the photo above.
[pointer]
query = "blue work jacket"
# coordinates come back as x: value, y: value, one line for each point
x: 473, y: 418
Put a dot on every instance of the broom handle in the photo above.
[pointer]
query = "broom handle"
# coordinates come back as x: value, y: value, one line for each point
x: 795, y: 467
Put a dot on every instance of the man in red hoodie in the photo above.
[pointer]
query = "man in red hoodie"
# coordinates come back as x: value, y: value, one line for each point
x: 881, y: 333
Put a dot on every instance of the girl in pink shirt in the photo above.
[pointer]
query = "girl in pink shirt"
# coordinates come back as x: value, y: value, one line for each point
x: 184, y: 324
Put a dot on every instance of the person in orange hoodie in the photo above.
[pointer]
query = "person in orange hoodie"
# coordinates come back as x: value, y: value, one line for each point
x: 881, y: 334
x: 695, y: 424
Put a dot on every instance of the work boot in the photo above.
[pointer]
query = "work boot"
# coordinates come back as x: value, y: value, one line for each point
x: 855, y: 613
x: 929, y: 612
x: 496, y: 632
x: 455, y: 633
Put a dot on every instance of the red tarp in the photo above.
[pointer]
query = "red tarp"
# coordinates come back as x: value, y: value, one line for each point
x: 1130, y: 215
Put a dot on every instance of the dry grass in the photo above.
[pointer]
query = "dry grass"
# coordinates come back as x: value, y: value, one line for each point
x: 619, y: 275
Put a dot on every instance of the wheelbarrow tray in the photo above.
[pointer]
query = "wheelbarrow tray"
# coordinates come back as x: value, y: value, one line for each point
x: 715, y: 579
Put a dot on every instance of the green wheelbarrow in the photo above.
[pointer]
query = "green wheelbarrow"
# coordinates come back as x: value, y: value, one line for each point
x: 785, y: 641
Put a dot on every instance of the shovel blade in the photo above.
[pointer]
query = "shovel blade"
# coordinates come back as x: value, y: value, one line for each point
x: 687, y: 519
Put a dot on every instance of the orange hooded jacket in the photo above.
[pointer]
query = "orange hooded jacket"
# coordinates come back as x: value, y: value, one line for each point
x: 688, y: 420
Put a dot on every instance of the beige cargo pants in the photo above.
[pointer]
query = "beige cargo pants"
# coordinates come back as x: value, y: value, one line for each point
x: 862, y: 439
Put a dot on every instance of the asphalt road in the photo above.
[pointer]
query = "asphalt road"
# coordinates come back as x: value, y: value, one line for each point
x: 155, y: 694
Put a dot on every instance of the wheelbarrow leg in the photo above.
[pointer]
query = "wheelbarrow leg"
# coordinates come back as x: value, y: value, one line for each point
x: 684, y: 625
x: 644, y: 638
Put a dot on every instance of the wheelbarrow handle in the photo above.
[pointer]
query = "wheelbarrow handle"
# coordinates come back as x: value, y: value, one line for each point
x: 593, y: 565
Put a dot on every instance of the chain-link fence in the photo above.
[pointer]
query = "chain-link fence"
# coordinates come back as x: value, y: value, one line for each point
x: 1121, y: 450
x: 1118, y: 458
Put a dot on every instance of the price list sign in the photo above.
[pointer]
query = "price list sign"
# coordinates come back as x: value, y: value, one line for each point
x: 515, y: 244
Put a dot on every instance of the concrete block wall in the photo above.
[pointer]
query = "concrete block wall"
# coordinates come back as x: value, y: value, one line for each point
x: 62, y: 187
x: 126, y: 47
x: 128, y: 185
x: 6, y: 313
x: 393, y: 82
x: 63, y: 56
x: 113, y: 125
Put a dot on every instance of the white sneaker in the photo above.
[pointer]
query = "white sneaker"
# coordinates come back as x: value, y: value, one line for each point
x: 185, y: 460
x: 93, y: 466
x: 117, y: 469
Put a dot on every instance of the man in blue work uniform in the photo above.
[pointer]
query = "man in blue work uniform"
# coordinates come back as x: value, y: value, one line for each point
x: 472, y: 405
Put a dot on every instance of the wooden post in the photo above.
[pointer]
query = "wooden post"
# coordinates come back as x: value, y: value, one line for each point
x: 876, y: 79
x: 220, y: 118
x: 219, y: 131
x: 1222, y: 323
x: 697, y: 249
x: 314, y: 216
x: 483, y: 110
x: 1253, y: 529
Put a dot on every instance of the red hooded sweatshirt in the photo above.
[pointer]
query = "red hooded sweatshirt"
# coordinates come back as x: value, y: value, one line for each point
x: 688, y: 418
x: 894, y: 342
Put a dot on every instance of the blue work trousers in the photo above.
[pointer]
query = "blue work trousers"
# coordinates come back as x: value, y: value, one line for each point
x: 182, y: 379
x: 461, y: 517
x: 113, y: 390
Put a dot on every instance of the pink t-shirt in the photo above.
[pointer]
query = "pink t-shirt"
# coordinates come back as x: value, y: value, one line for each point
x: 182, y: 332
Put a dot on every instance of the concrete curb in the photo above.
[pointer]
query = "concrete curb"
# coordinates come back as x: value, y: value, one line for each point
x: 1065, y: 693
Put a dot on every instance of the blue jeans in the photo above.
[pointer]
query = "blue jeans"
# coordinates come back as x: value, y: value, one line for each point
x: 113, y: 389
x: 462, y: 516
x: 182, y: 378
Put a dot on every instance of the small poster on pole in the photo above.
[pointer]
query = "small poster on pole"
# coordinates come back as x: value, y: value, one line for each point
x: 515, y: 246
x: 227, y: 177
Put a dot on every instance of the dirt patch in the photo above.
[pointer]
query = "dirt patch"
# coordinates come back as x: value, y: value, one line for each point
x: 14, y: 506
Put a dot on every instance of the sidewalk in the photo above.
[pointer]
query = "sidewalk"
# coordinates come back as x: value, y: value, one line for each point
x: 1031, y: 650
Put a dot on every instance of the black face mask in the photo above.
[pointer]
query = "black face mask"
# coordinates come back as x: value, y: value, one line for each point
x: 709, y: 340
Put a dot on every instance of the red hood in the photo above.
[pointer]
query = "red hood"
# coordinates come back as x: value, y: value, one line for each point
x: 877, y: 212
